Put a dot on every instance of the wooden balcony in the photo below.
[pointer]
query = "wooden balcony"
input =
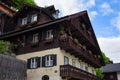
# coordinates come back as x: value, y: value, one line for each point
x: 73, y: 73
x: 82, y: 33
x: 69, y: 45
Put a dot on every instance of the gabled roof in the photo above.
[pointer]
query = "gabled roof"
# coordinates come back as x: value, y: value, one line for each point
x: 111, y: 68
x: 33, y: 8
x: 6, y: 9
x: 8, y: 2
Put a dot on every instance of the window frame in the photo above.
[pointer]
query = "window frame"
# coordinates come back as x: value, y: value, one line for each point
x: 49, y: 34
x: 34, y: 17
x: 35, y: 38
x: 24, y: 21
x: 74, y: 62
x: 66, y: 59
x: 48, y: 60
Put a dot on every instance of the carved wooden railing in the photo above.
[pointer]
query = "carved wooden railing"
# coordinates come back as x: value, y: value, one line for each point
x: 76, y: 73
x: 69, y: 45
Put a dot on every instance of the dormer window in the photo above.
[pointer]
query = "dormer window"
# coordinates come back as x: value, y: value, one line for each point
x: 34, y: 18
x: 24, y: 21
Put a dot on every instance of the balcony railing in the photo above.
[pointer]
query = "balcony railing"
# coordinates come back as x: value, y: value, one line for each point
x: 76, y: 73
x: 82, y: 31
x: 69, y: 45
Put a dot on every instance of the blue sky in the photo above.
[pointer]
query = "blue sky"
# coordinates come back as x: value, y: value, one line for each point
x: 104, y: 16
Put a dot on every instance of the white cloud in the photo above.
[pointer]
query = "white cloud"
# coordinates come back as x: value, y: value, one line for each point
x: 106, y: 9
x: 68, y: 7
x: 116, y: 21
x: 111, y: 47
x: 93, y: 14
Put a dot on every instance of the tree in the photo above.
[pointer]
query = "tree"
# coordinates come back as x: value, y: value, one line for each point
x: 99, y: 70
x: 6, y: 47
x: 20, y: 3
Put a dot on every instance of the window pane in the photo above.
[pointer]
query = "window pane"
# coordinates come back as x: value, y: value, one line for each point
x: 35, y: 37
x: 24, y: 21
x: 34, y: 18
x: 73, y: 62
x: 66, y: 60
x: 49, y: 34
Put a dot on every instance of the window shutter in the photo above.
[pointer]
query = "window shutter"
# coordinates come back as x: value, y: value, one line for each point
x: 43, y: 61
x: 28, y: 63
x: 29, y: 38
x: 54, y: 60
x: 28, y: 18
x: 43, y: 35
x: 38, y: 61
x: 20, y: 21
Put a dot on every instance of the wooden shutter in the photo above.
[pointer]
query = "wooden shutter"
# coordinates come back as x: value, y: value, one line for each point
x: 20, y: 21
x: 43, y: 61
x: 29, y: 38
x: 54, y: 60
x: 28, y: 18
x: 43, y: 35
x: 38, y: 61
x: 28, y: 63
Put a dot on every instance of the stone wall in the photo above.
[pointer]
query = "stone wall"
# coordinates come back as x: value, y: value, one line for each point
x: 12, y: 68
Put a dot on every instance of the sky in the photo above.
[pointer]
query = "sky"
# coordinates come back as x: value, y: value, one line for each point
x: 105, y: 20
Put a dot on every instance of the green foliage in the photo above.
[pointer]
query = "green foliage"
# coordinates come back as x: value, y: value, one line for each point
x: 99, y: 73
x: 99, y: 70
x: 6, y: 47
x: 62, y: 30
x: 20, y: 3
x: 106, y: 59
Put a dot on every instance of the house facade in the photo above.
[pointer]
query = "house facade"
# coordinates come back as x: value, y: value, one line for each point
x: 54, y: 48
x: 112, y: 71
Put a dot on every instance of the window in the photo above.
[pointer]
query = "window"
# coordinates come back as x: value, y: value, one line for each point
x: 49, y: 34
x: 73, y: 63
x: 86, y: 68
x: 66, y: 60
x: 48, y: 61
x: 35, y: 38
x: 34, y: 18
x: 93, y: 71
x: 33, y: 63
x: 24, y: 21
x: 82, y: 66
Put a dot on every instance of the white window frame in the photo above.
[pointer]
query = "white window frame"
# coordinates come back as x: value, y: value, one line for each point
x: 66, y: 60
x: 35, y: 38
x: 48, y: 61
x: 82, y: 66
x: 86, y: 68
x: 49, y: 34
x: 74, y: 62
x: 93, y: 71
x: 34, y: 18
x: 33, y: 63
x: 24, y: 21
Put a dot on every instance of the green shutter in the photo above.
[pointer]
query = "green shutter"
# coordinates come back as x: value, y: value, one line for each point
x: 43, y: 61
x: 28, y: 63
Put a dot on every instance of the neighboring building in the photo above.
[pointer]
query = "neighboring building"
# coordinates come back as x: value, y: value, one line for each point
x: 5, y: 15
x: 55, y: 48
x: 12, y: 68
x: 112, y: 71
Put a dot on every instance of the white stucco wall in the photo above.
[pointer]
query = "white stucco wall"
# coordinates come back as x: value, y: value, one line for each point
x: 36, y: 74
x: 118, y: 75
